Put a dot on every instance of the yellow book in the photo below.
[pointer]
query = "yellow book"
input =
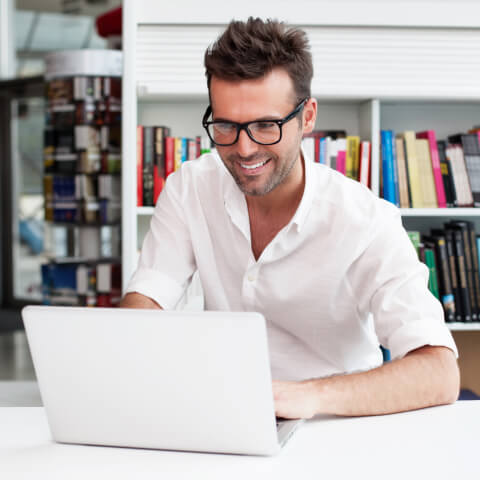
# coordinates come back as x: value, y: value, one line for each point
x: 402, y: 174
x: 413, y: 169
x: 352, y: 157
x: 426, y: 173
x: 178, y: 153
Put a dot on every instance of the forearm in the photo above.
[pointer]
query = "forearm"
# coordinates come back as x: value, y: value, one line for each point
x: 137, y: 300
x: 425, y: 377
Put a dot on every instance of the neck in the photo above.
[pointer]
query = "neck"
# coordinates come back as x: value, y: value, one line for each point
x: 285, y: 196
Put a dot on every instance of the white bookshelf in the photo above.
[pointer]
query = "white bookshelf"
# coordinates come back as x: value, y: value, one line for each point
x: 392, y: 69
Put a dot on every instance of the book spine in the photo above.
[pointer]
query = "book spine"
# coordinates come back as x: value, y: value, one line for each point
x: 148, y: 163
x: 178, y: 153
x: 462, y: 276
x: 413, y: 170
x: 387, y: 167
x: 432, y: 268
x: 445, y: 283
x: 169, y: 155
x: 159, y: 164
x: 435, y: 159
x: 454, y: 274
x: 402, y: 174
x: 475, y: 269
x: 365, y: 159
x: 139, y: 166
x: 341, y: 159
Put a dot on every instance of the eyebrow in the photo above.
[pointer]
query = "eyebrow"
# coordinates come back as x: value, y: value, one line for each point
x: 261, y: 119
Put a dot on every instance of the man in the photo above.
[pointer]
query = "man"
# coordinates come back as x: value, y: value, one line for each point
x: 313, y: 251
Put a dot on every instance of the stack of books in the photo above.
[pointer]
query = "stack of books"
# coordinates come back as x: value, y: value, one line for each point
x: 158, y: 155
x: 452, y: 256
x: 418, y: 171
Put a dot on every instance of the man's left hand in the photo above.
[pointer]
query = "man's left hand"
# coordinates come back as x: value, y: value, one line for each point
x: 294, y: 399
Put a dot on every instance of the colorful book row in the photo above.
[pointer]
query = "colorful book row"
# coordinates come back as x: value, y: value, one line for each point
x: 417, y: 171
x: 158, y: 155
x: 344, y: 153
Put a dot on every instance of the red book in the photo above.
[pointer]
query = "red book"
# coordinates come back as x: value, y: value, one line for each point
x: 139, y: 166
x: 317, y: 150
x: 158, y: 183
x: 437, y: 172
x: 169, y: 155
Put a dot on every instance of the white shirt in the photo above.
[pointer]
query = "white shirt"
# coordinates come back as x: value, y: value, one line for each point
x: 343, y: 255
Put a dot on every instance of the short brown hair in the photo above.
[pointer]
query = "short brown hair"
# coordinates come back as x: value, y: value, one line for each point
x: 252, y: 49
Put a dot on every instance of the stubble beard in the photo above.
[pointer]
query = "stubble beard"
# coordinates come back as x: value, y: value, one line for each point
x: 277, y: 176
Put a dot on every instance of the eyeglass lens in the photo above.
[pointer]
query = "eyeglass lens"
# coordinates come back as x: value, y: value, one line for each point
x: 261, y: 132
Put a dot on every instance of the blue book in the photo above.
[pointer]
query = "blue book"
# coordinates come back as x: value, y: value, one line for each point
x: 387, y: 166
x: 395, y: 168
x: 184, y: 149
x: 323, y: 149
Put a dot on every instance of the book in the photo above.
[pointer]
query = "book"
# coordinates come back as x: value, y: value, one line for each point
x: 446, y: 169
x: 177, y: 153
x: 341, y: 161
x: 352, y: 157
x: 139, y: 166
x: 159, y: 161
x: 404, y: 195
x: 430, y: 136
x: 444, y: 276
x: 450, y: 244
x: 454, y: 155
x: 365, y: 163
x: 471, y: 154
x: 415, y: 239
x: 461, y: 270
x: 148, y: 163
x: 388, y: 166
x: 432, y: 268
x: 413, y: 170
x: 169, y: 155
x: 426, y: 174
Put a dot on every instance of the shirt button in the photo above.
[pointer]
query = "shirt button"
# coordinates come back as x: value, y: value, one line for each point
x: 251, y: 278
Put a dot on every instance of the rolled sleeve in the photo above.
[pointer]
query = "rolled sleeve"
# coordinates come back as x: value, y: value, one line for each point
x: 392, y: 283
x: 167, y: 262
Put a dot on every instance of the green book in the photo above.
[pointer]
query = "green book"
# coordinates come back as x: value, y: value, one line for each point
x: 415, y: 239
x: 432, y: 278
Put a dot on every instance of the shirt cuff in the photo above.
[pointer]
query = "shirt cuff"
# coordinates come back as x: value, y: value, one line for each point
x: 157, y: 286
x: 418, y: 334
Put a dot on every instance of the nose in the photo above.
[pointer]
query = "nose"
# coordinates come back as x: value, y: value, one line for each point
x: 245, y: 145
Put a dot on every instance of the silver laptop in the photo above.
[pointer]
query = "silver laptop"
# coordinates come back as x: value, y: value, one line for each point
x: 195, y: 381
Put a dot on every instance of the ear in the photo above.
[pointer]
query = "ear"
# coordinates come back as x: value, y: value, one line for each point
x: 309, y: 115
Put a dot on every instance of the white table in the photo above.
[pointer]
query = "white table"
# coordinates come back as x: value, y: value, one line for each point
x: 435, y: 443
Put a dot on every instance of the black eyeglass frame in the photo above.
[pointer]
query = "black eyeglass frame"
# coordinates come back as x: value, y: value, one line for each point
x: 244, y: 126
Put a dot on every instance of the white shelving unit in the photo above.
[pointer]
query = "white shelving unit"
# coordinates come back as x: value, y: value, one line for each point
x: 411, y: 65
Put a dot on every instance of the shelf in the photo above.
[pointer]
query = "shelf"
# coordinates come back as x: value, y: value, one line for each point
x: 145, y: 210
x: 440, y: 212
x: 457, y: 326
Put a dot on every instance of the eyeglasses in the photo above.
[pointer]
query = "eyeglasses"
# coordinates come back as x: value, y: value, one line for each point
x: 263, y: 132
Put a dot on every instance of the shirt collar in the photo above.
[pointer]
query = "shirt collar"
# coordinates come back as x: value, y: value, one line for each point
x: 236, y: 204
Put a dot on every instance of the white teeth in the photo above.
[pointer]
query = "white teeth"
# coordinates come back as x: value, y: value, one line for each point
x: 249, y: 167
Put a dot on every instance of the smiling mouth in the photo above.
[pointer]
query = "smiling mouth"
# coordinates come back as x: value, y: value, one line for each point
x: 255, y: 165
